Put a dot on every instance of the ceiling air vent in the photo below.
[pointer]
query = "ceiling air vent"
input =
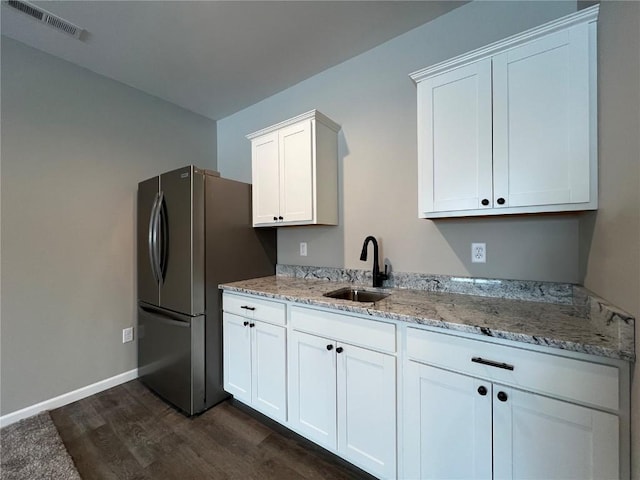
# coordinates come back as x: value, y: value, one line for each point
x: 46, y: 17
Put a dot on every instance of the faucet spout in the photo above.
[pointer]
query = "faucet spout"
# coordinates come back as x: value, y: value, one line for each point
x: 378, y: 277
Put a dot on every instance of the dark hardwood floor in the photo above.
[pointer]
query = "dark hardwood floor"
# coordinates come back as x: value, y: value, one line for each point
x: 127, y: 432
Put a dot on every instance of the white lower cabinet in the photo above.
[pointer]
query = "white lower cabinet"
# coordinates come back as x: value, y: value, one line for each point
x: 459, y: 426
x: 539, y: 437
x: 255, y: 364
x: 343, y: 397
x: 447, y: 425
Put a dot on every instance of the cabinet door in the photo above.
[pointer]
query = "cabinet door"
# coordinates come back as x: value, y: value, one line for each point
x: 447, y: 424
x: 367, y: 409
x: 265, y: 168
x: 312, y: 371
x: 296, y: 172
x: 237, y: 356
x: 538, y: 437
x: 454, y: 139
x: 541, y: 99
x: 269, y: 372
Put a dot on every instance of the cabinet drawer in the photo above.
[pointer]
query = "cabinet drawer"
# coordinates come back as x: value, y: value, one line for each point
x: 256, y: 308
x: 345, y: 328
x: 562, y: 377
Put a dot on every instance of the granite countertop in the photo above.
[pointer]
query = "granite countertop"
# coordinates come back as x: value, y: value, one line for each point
x: 589, y: 325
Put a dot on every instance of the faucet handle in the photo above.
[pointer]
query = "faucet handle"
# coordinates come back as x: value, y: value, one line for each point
x: 385, y: 275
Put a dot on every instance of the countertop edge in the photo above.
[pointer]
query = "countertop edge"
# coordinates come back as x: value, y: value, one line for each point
x: 346, y: 306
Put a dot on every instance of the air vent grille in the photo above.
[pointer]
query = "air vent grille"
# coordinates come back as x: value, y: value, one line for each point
x: 62, y: 25
x: 46, y: 17
x: 25, y: 8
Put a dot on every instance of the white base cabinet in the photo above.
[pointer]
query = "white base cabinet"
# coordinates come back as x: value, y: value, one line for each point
x: 254, y: 356
x: 467, y: 408
x: 342, y: 386
x: 462, y: 426
x: 343, y: 397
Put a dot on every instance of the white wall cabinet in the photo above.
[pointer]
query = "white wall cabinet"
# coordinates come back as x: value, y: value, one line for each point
x: 512, y: 128
x: 295, y: 172
x: 463, y: 426
x: 254, y: 354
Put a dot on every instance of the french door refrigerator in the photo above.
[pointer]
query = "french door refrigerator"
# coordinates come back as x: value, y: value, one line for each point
x: 194, y: 232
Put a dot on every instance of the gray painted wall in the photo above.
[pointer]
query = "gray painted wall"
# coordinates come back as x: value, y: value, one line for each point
x: 74, y: 146
x: 374, y: 100
x: 610, y: 237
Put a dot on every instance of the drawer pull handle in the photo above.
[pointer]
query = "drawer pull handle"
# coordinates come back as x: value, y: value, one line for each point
x: 248, y: 308
x: 491, y: 363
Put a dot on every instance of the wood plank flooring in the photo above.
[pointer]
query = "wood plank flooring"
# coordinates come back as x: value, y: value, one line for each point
x: 127, y: 432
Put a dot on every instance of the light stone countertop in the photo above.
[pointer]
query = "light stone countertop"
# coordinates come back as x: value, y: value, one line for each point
x: 592, y: 326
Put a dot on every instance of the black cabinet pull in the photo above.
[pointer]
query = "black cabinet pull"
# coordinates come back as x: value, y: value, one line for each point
x: 275, y: 219
x: 251, y: 325
x: 482, y: 390
x: 502, y: 396
x: 339, y: 349
x: 491, y: 363
x: 248, y: 308
x: 501, y: 201
x: 485, y: 202
x: 329, y: 347
x: 280, y: 218
x: 245, y: 323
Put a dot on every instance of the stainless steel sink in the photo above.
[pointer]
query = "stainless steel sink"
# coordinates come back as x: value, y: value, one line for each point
x: 356, y: 295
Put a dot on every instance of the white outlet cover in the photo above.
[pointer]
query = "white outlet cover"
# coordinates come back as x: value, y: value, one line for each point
x: 478, y: 253
x: 303, y: 249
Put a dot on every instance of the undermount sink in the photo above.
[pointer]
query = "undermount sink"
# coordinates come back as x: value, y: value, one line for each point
x: 356, y: 295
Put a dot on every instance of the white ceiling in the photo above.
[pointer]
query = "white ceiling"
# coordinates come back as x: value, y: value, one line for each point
x: 217, y: 57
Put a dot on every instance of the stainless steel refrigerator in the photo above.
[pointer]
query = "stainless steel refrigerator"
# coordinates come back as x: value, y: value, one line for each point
x: 194, y: 232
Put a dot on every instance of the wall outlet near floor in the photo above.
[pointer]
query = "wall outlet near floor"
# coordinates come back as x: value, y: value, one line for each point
x: 478, y: 253
x: 303, y: 249
x: 127, y: 335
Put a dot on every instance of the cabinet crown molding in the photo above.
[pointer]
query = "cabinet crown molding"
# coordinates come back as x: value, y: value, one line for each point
x: 315, y: 114
x: 586, y: 15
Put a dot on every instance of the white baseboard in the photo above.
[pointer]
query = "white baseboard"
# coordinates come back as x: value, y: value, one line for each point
x: 67, y: 398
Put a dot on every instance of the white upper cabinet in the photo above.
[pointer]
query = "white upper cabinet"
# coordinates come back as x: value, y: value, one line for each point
x: 295, y: 172
x: 512, y: 128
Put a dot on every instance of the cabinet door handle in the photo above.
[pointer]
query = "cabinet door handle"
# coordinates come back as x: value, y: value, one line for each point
x: 502, y: 396
x: 280, y: 218
x: 245, y: 323
x: 501, y: 201
x: 491, y: 363
x: 251, y: 325
x: 339, y: 350
x: 275, y: 219
x: 485, y: 202
x: 482, y: 390
x: 248, y: 308
x: 329, y: 347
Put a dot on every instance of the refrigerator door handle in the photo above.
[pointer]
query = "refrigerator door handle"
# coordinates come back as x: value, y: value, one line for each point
x: 153, y: 238
x: 173, y: 318
x: 163, y: 243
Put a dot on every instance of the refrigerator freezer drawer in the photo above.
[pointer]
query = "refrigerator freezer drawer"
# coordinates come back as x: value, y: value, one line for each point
x: 171, y: 356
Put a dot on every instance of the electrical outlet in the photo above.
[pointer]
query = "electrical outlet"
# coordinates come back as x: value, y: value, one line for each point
x: 478, y: 253
x: 127, y: 335
x: 303, y: 249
